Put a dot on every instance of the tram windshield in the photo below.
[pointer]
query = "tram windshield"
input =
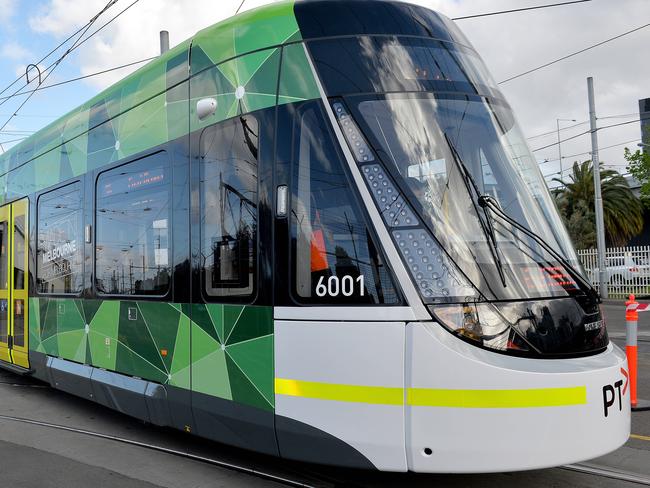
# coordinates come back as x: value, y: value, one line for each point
x: 432, y: 114
x: 448, y: 152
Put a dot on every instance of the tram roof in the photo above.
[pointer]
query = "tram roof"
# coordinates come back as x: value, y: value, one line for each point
x: 264, y: 27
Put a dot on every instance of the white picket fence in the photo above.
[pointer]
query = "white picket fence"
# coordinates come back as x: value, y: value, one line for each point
x: 627, y: 270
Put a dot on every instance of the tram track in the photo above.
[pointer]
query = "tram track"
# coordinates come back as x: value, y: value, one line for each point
x: 178, y: 453
x: 311, y: 478
x: 607, y: 472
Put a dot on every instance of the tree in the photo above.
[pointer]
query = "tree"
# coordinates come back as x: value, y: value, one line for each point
x: 638, y: 164
x: 622, y: 210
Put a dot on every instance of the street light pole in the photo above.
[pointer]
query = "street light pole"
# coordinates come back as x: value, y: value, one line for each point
x: 559, y: 143
x: 598, y: 200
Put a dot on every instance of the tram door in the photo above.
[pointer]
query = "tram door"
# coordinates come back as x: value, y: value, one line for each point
x: 14, y: 244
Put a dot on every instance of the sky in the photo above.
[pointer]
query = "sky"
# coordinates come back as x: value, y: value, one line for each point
x: 509, y: 44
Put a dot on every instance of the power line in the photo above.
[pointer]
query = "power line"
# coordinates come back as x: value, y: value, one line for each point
x: 75, y: 46
x: 589, y: 132
x: 517, y: 9
x: 90, y: 75
x: 574, y: 54
x: 554, y: 131
x: 58, y: 61
x: 240, y: 6
x: 49, y: 53
x: 587, y: 152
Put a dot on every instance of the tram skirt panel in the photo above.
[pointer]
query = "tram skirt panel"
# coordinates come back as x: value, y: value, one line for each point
x: 339, y: 393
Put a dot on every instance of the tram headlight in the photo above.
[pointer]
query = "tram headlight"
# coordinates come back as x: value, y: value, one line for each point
x: 481, y: 323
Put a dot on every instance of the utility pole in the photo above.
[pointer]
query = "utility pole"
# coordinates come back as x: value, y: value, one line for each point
x: 164, y: 41
x: 598, y: 200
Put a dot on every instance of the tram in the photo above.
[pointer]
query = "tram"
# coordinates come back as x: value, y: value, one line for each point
x: 314, y: 230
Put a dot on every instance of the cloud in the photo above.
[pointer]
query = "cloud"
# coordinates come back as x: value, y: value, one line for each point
x: 7, y: 9
x: 15, y: 51
x: 509, y: 44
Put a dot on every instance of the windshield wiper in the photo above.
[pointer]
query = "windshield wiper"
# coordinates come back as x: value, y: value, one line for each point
x: 487, y: 226
x: 487, y: 201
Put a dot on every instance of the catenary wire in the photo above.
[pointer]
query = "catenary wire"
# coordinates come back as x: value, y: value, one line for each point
x: 62, y: 43
x: 58, y: 62
x: 593, y: 46
x: 499, y: 12
x: 547, y: 161
x: 562, y: 129
x: 589, y: 132
x: 89, y: 75
x: 74, y: 47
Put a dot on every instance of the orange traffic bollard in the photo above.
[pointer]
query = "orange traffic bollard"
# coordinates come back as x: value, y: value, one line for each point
x: 632, y: 309
x: 631, y: 325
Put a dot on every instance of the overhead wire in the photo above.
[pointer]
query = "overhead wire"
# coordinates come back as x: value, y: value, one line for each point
x: 593, y: 46
x: 58, y: 62
x: 89, y: 75
x: 589, y: 132
x: 61, y: 44
x: 76, y: 46
x: 499, y: 12
x: 562, y: 129
x: 547, y: 161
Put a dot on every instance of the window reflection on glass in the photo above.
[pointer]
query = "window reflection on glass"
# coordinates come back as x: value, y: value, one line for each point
x: 4, y: 303
x: 229, y: 206
x: 4, y: 254
x: 335, y: 259
x: 19, y: 252
x: 133, y: 225
x: 60, y: 241
x: 410, y: 132
x: 19, y: 323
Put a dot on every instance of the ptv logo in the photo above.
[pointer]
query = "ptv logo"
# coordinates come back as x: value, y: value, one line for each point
x: 610, y: 393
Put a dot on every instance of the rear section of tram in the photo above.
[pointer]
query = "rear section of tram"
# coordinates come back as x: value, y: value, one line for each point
x: 352, y: 259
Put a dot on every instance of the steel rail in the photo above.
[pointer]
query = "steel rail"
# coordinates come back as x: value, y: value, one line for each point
x: 223, y: 464
x: 583, y: 468
x: 606, y: 472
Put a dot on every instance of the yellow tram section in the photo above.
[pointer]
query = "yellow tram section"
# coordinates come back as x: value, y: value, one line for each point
x: 14, y: 288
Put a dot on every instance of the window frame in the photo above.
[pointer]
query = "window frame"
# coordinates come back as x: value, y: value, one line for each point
x: 355, y: 199
x: 37, y: 224
x: 95, y: 197
x: 229, y: 299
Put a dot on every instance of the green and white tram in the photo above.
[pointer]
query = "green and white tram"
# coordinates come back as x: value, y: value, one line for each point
x: 313, y: 230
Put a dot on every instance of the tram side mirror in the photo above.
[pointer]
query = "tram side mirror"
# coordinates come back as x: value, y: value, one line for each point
x: 206, y: 107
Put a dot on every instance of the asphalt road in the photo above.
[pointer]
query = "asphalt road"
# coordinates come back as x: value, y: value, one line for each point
x: 37, y: 456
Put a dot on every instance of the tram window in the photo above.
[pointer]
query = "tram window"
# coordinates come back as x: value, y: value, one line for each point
x: 334, y: 257
x: 229, y: 207
x: 4, y: 284
x: 60, y: 241
x: 133, y: 228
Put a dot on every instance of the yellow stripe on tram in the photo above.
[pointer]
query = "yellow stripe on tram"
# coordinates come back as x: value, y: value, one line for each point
x: 428, y: 397
x: 343, y: 393
x: 527, y: 398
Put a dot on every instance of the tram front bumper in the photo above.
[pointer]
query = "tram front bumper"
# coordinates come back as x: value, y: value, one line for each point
x: 472, y: 410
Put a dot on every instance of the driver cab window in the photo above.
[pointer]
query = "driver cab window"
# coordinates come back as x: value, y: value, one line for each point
x: 334, y: 257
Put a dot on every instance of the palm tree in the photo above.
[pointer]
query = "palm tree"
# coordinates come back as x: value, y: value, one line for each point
x: 622, y: 210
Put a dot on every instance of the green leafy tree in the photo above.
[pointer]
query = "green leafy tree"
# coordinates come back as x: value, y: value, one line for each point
x: 622, y: 210
x: 638, y: 164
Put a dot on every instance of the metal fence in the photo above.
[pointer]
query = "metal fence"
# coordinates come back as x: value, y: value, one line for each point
x: 627, y: 269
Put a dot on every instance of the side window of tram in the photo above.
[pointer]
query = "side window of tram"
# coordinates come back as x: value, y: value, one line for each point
x: 132, y: 255
x: 229, y: 207
x: 60, y: 241
x: 334, y: 257
x: 4, y: 283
